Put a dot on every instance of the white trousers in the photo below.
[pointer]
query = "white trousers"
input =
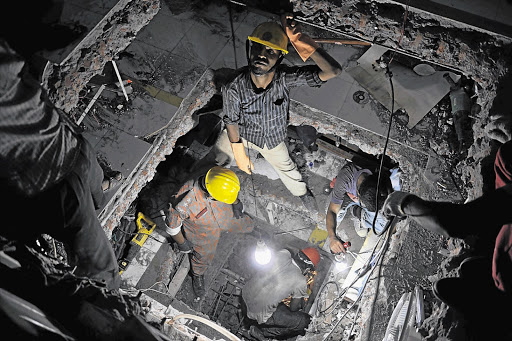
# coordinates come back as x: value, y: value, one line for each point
x: 278, y: 158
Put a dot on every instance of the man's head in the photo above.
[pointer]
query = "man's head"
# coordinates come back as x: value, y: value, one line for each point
x: 367, y: 191
x: 222, y: 184
x: 266, y: 47
x: 307, y: 259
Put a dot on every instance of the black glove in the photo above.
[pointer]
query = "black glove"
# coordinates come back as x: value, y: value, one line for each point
x: 238, y: 209
x: 393, y: 205
x: 186, y: 247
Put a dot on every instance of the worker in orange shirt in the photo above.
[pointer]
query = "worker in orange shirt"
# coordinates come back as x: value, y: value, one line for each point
x: 199, y: 212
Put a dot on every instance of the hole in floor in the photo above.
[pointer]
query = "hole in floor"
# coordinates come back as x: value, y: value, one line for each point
x: 163, y: 273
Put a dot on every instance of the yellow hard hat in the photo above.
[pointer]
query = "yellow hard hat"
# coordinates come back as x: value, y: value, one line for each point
x: 222, y: 184
x: 270, y: 34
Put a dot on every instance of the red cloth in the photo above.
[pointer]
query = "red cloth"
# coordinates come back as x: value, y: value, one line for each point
x: 502, y: 258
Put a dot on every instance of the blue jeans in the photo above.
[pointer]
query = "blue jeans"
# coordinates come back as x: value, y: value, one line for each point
x: 366, y: 217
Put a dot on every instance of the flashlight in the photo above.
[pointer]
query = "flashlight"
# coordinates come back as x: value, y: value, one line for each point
x: 341, y: 261
x: 262, y: 255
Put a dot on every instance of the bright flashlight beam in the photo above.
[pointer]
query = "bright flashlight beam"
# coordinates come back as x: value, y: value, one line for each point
x: 341, y: 262
x: 262, y: 255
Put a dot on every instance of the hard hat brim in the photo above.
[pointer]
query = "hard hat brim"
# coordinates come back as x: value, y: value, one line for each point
x: 266, y: 43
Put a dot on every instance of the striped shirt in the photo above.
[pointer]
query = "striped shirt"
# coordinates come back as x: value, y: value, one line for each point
x: 262, y: 115
x: 38, y: 143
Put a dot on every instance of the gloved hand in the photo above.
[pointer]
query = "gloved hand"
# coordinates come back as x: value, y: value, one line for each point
x: 186, y: 247
x: 238, y: 209
x: 242, y: 161
x: 393, y: 205
x: 303, y: 44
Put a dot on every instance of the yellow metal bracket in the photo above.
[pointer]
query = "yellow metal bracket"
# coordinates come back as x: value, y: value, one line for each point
x: 145, y: 227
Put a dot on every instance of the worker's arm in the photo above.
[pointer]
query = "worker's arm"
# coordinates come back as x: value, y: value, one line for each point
x: 237, y: 146
x: 238, y: 209
x: 173, y: 223
x: 231, y: 104
x: 483, y: 216
x: 306, y: 47
x: 335, y: 244
x: 329, y: 67
x: 233, y: 133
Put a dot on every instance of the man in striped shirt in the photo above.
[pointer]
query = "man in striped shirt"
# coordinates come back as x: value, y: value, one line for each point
x: 257, y: 101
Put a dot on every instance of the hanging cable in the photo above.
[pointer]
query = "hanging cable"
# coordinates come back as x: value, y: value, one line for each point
x: 390, y: 75
x: 232, y: 33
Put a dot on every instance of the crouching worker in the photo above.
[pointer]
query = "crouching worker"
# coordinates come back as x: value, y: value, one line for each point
x: 355, y: 191
x: 263, y: 295
x: 484, y: 289
x: 200, y: 211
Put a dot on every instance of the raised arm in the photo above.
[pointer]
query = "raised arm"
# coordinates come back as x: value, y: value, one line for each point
x: 306, y: 47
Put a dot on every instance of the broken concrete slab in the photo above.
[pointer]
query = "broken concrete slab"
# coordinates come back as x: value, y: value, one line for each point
x: 416, y: 94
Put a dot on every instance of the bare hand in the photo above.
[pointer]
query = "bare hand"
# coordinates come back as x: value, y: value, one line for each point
x: 336, y: 246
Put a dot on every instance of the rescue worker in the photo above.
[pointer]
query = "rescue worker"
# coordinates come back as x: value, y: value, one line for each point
x: 199, y: 212
x: 264, y: 293
x: 484, y: 289
x: 355, y: 190
x: 47, y: 168
x: 257, y: 100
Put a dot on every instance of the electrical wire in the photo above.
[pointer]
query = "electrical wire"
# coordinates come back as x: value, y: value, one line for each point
x: 375, y: 261
x: 390, y: 75
x: 232, y: 32
x: 402, y: 31
x: 137, y: 291
x: 372, y: 257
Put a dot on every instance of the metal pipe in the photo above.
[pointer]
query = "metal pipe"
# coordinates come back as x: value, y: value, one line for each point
x: 120, y: 80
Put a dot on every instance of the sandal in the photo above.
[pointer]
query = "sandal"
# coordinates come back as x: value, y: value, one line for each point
x: 112, y: 182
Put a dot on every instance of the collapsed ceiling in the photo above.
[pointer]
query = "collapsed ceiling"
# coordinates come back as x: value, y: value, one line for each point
x: 433, y: 168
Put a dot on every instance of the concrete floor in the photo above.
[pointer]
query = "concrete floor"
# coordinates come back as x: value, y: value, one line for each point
x: 173, y: 51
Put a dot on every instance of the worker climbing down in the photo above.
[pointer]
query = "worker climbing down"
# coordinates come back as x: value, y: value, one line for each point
x: 199, y: 212
x: 355, y: 191
x: 257, y: 101
x: 264, y: 293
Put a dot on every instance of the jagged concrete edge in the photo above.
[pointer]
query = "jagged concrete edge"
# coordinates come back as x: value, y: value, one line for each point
x: 182, y: 122
x: 112, y: 34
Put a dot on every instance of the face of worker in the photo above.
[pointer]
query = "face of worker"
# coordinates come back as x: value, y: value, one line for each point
x: 263, y: 58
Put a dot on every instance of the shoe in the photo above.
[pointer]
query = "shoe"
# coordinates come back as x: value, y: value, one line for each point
x: 309, y: 202
x: 356, y: 211
x: 359, y: 228
x: 473, y: 299
x: 198, y: 285
x: 111, y: 182
x: 256, y: 333
x: 475, y: 266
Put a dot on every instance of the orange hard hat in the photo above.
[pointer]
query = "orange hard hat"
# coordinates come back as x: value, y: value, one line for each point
x: 312, y: 254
